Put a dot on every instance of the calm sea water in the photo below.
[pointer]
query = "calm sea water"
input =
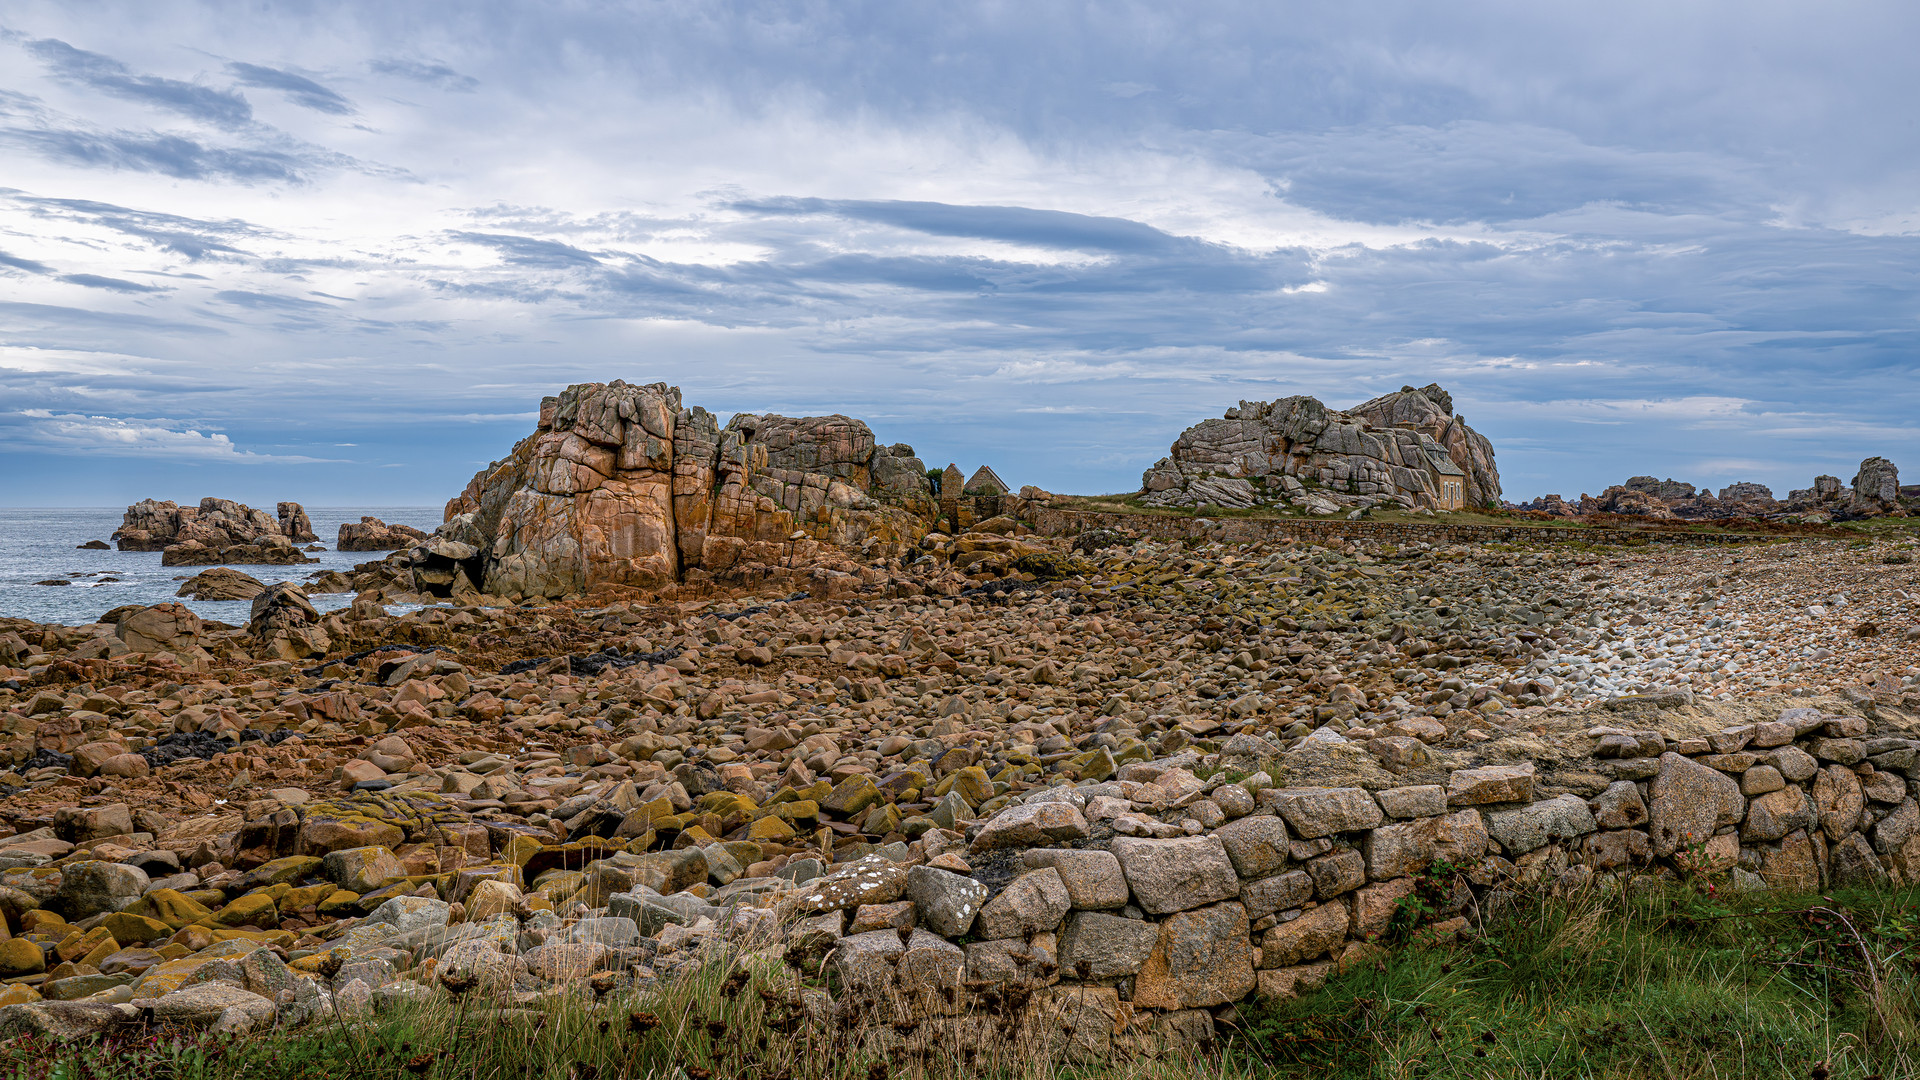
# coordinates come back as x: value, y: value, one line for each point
x: 40, y: 545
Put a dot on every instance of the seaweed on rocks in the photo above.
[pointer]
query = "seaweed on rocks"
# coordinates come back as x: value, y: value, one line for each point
x: 761, y: 609
x: 182, y: 745
x: 1002, y: 591
x: 314, y: 672
x: 44, y: 758
x: 593, y: 663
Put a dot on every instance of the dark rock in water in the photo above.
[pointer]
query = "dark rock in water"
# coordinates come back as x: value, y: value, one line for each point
x: 221, y: 583
x: 329, y: 581
x: 294, y: 524
x: 266, y: 551
x: 95, y: 545
x: 54, y: 581
x: 372, y: 534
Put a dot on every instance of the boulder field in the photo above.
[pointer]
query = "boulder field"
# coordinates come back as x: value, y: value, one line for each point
x: 1108, y: 791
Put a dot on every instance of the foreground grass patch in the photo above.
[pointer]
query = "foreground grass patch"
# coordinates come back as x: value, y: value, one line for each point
x: 1655, y: 985
x: 1668, y: 984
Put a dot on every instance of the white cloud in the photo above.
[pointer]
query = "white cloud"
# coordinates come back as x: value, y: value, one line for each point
x: 108, y: 436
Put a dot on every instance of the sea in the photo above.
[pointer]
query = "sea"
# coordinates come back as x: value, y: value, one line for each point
x: 38, y: 546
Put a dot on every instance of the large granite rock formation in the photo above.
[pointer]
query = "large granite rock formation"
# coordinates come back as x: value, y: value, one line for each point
x: 1876, y: 489
x: 622, y: 484
x: 1406, y: 448
x: 217, y: 531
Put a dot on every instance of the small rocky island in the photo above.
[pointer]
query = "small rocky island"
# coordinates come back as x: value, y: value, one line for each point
x: 216, y: 531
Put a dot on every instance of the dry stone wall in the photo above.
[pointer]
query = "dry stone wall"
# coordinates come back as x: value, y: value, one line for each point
x: 1156, y: 899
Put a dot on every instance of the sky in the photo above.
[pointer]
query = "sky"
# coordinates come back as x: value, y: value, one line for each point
x: 336, y: 252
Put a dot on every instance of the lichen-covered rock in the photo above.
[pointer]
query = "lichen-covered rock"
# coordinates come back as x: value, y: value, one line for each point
x: 1176, y: 874
x: 1034, y: 902
x: 1096, y: 945
x: 945, y: 902
x: 1689, y: 802
x: 1202, y: 958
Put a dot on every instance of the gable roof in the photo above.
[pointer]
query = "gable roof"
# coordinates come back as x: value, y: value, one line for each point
x: 986, y: 480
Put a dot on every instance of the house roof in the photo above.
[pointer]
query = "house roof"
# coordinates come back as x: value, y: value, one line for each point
x: 986, y: 480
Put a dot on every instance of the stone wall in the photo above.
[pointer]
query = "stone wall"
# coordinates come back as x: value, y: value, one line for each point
x: 1157, y: 898
x: 1407, y: 449
x: 622, y: 484
x: 1057, y: 522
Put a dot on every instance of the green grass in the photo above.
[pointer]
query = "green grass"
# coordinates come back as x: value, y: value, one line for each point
x: 1663, y: 984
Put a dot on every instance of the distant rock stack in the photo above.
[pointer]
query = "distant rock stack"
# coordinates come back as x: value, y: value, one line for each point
x: 217, y: 531
x: 1406, y: 449
x: 294, y: 524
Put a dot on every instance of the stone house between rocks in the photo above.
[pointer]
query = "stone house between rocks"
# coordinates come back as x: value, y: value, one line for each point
x: 1449, y: 480
x: 987, y: 482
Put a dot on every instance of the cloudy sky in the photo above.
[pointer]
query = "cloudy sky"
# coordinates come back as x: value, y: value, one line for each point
x: 336, y: 252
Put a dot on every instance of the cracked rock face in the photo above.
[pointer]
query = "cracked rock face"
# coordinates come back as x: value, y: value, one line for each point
x: 624, y: 485
x: 1406, y: 449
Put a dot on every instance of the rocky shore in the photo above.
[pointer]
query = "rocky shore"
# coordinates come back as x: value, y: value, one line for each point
x: 1137, y: 783
x: 676, y: 692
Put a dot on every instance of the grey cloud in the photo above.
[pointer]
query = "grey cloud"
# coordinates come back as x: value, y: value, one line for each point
x: 268, y: 302
x: 1016, y: 224
x: 195, y: 238
x: 298, y: 88
x: 29, y: 265
x: 530, y: 251
x: 430, y: 72
x: 95, y: 281
x: 168, y: 155
x: 222, y: 108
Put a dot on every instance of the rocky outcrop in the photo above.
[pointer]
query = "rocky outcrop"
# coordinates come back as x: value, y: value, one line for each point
x: 1875, y: 492
x: 152, y: 525
x: 221, y: 583
x: 372, y: 534
x: 622, y: 484
x: 1876, y: 489
x: 1406, y: 449
x: 294, y: 524
x: 268, y: 550
x: 286, y: 624
x: 1744, y: 492
x: 217, y: 531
